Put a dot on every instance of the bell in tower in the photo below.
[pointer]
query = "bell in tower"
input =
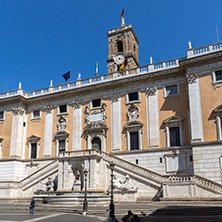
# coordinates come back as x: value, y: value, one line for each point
x: 123, y: 48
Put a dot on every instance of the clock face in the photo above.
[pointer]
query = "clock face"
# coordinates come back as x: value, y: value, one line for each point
x: 119, y: 58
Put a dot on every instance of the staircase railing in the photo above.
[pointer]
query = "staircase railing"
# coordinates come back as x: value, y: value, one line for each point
x: 40, y: 173
x: 118, y: 161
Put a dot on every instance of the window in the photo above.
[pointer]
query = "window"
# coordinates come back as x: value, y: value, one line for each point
x: 171, y: 90
x: 96, y: 103
x: 134, y: 141
x: 133, y: 96
x: 218, y: 116
x: 174, y: 131
x: 218, y: 75
x: 2, y: 115
x: 96, y: 143
x: 120, y: 46
x: 34, y: 146
x: 174, y: 136
x: 61, y: 145
x: 62, y: 109
x: 33, y: 150
x: 36, y: 114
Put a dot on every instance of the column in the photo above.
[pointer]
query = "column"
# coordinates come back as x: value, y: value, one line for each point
x: 153, y: 132
x: 195, y: 108
x: 16, y: 136
x: 116, y: 123
x: 77, y: 125
x: 48, y: 131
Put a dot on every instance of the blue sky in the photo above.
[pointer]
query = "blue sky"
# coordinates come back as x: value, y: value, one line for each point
x: 42, y: 39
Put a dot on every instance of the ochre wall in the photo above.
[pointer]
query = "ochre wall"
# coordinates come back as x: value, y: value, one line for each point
x: 176, y: 105
x: 5, y: 133
x: 35, y: 127
x: 210, y: 99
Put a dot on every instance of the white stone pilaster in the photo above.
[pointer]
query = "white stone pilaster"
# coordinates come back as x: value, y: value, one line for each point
x: 24, y: 137
x: 77, y: 126
x: 152, y: 117
x: 195, y: 108
x: 16, y: 136
x: 116, y: 123
x: 48, y: 131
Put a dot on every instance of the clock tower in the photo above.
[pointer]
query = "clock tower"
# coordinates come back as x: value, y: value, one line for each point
x: 123, y: 44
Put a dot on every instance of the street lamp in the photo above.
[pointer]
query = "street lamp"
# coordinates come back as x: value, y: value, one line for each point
x: 85, y: 204
x: 112, y: 217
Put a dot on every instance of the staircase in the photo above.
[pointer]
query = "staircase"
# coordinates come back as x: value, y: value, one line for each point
x: 153, y: 178
x: 39, y: 175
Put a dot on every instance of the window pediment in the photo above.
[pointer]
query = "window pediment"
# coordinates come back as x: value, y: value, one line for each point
x: 63, y: 133
x: 173, y: 119
x: 133, y: 124
x: 33, y: 138
x: 218, y: 110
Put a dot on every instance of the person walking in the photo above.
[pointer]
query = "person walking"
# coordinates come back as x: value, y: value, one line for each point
x: 32, y: 206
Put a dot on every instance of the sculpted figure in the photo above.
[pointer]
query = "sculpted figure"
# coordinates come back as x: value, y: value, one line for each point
x: 45, y: 187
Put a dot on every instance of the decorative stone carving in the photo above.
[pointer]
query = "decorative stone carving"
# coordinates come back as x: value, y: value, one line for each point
x: 48, y: 109
x: 103, y: 110
x: 151, y: 91
x: 61, y: 125
x: 87, y: 113
x: 133, y: 113
x: 18, y: 110
x: 191, y: 78
x: 115, y: 97
x: 78, y: 174
x: 77, y: 104
x: 123, y: 185
x: 46, y: 187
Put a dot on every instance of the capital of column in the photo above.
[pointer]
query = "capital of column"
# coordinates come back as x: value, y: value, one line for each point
x: 18, y: 110
x: 151, y: 91
x: 77, y: 104
x: 48, y: 109
x: 191, y: 78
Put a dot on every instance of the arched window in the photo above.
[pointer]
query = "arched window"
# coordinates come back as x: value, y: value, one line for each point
x: 120, y: 46
x: 96, y: 143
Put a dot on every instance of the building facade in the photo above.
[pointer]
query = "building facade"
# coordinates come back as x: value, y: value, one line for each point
x: 161, y: 124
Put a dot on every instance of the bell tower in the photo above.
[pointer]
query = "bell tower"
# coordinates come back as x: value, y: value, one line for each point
x: 123, y: 45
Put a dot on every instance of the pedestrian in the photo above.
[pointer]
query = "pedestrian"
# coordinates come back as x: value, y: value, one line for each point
x: 128, y: 217
x: 32, y: 206
x: 136, y: 218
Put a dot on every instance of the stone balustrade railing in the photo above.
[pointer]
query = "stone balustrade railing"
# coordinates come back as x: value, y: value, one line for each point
x: 94, y: 80
x: 118, y: 162
x: 38, y: 175
x: 145, y: 172
x: 204, y: 50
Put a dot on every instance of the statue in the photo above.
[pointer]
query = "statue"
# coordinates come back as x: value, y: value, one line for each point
x: 77, y: 171
x: 61, y: 125
x: 79, y: 76
x: 122, y: 185
x: 133, y: 113
x: 46, y: 187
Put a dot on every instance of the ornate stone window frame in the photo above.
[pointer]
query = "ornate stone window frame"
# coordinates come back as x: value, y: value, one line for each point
x: 64, y: 113
x: 133, y: 125
x: 61, y: 135
x: 214, y: 79
x: 33, y: 139
x: 218, y: 119
x: 1, y: 146
x: 174, y: 121
x: 2, y: 119
x: 165, y: 94
x: 32, y: 114
x: 134, y: 101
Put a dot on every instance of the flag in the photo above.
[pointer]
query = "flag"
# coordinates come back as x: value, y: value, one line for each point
x: 96, y: 73
x: 123, y: 66
x: 66, y: 76
x: 121, y: 15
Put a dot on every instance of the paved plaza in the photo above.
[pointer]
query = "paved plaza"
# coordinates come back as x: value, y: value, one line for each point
x: 149, y: 211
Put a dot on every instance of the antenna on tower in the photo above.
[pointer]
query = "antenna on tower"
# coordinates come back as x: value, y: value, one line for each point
x: 217, y: 33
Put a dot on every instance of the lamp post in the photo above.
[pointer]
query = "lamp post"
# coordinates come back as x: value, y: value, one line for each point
x: 112, y: 217
x: 85, y: 204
